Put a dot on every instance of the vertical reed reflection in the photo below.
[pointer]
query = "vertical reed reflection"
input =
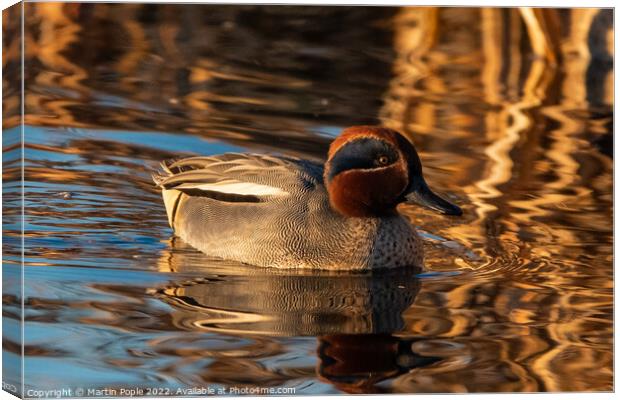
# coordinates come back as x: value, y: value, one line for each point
x: 526, y: 182
x: 511, y: 110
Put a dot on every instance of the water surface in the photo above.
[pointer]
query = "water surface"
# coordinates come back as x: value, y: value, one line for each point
x: 516, y: 294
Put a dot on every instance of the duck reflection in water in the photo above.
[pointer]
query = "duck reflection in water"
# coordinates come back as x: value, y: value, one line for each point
x: 356, y: 317
x: 356, y: 363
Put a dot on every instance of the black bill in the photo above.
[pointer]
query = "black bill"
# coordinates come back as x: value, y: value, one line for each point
x: 424, y: 196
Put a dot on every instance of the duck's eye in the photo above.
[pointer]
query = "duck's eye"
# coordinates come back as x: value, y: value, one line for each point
x: 383, y: 160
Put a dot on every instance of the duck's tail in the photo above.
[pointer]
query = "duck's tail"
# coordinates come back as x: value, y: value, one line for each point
x: 171, y: 196
x: 162, y: 173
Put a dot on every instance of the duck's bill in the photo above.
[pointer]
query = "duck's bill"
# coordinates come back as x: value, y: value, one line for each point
x: 424, y: 196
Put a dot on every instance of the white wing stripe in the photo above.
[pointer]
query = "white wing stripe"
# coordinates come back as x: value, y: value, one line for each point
x: 236, y: 187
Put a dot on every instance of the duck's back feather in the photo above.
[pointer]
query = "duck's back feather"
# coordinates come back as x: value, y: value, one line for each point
x: 236, y: 177
x: 228, y: 172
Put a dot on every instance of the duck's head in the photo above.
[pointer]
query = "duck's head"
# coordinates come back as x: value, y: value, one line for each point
x: 370, y: 170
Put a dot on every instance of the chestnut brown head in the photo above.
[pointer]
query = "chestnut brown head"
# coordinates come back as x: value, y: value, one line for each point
x: 370, y: 170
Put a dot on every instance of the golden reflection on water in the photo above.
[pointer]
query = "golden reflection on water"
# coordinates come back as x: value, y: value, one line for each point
x: 511, y: 110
